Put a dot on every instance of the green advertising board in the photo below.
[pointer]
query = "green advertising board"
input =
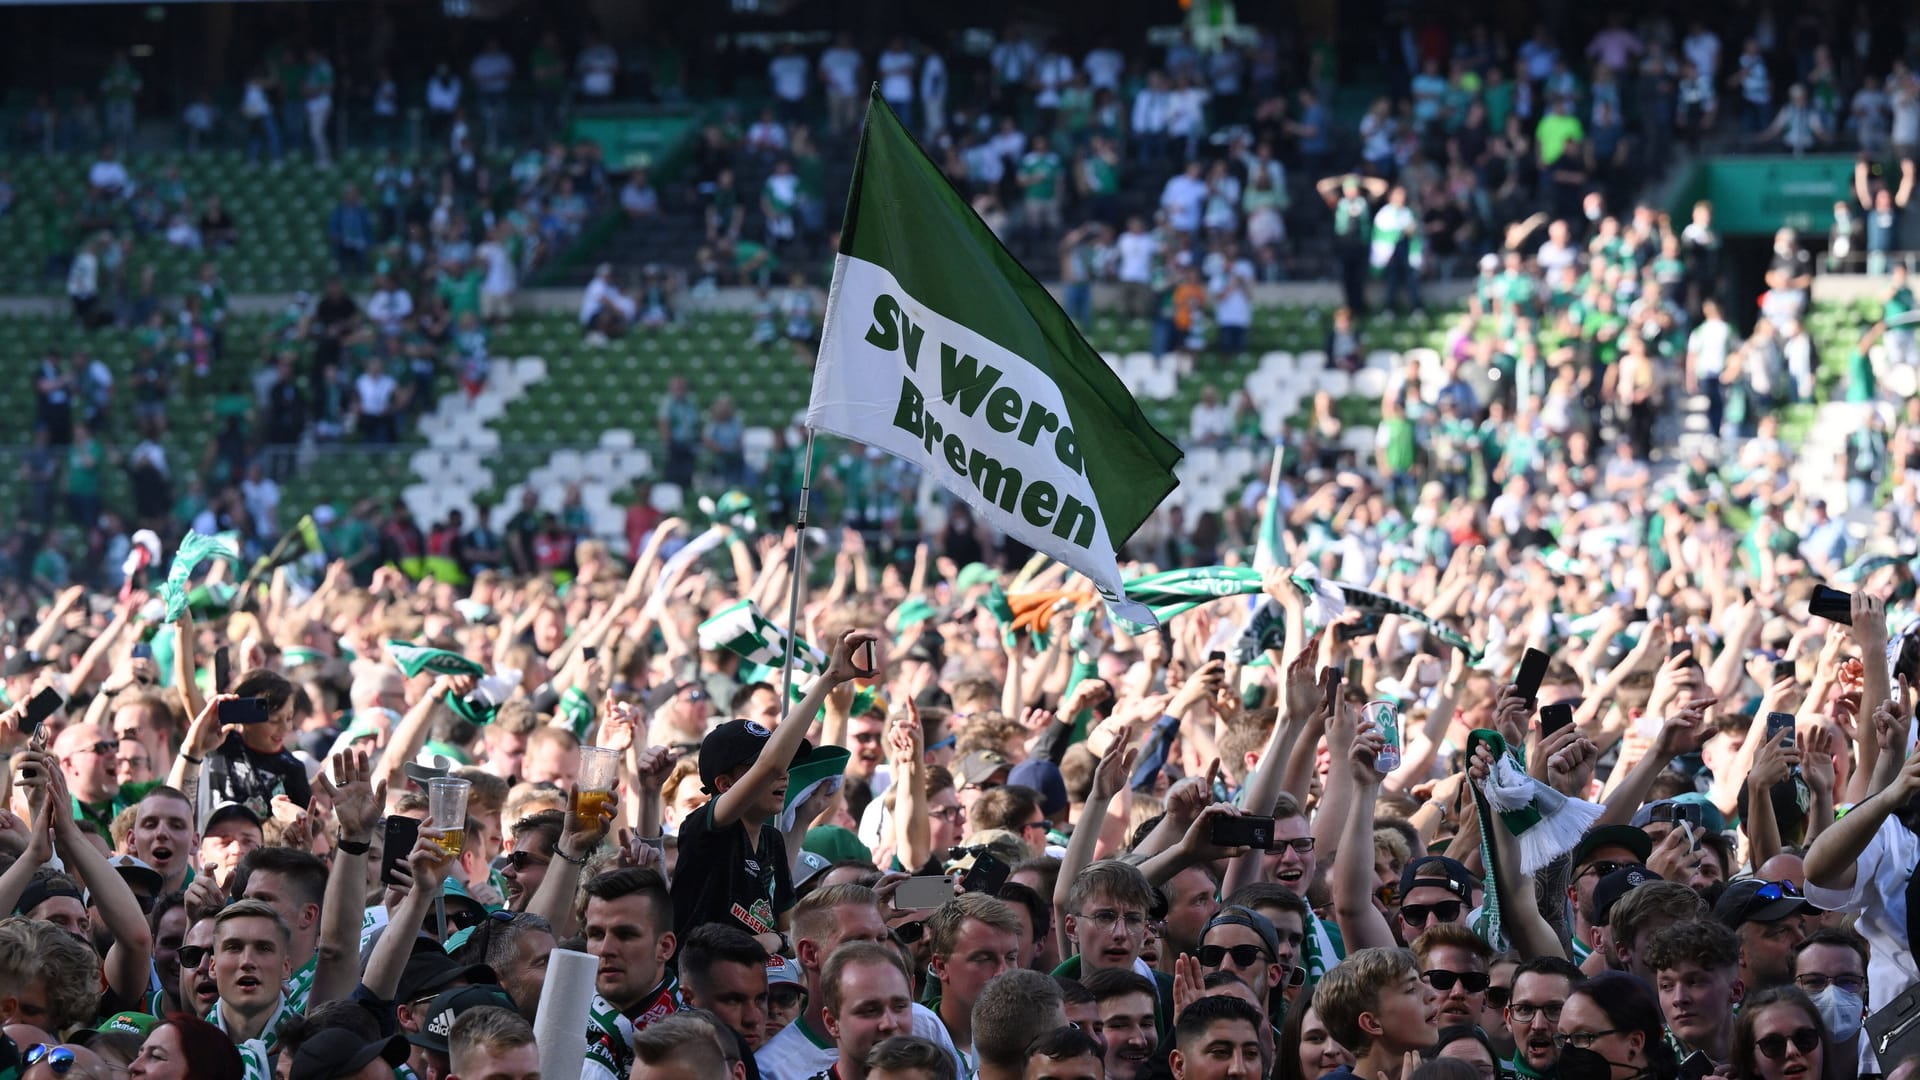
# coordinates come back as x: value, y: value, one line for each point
x: 1754, y: 195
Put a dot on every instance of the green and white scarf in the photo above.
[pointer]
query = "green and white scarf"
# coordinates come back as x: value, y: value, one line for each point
x: 414, y: 659
x: 762, y: 644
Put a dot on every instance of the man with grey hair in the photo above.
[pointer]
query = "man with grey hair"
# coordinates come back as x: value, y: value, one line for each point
x: 490, y: 1043
x: 1012, y: 1011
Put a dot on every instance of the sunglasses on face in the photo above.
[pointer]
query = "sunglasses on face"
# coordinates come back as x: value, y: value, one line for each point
x: 1244, y: 956
x: 1418, y: 914
x: 1599, y: 869
x: 105, y: 748
x: 520, y: 860
x: 192, y: 956
x: 1443, y: 980
x: 1498, y: 996
x: 58, y: 1058
x: 1774, y: 1047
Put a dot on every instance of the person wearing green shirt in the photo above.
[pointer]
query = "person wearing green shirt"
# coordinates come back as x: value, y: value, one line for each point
x: 1556, y: 130
x: 1039, y: 178
x: 461, y: 290
x: 120, y: 89
x: 1394, y: 452
x: 85, y: 459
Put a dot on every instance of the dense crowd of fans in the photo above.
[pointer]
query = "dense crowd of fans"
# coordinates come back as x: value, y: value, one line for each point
x: 1571, y: 782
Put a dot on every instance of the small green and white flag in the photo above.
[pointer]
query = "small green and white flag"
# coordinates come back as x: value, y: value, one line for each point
x: 941, y: 349
x: 414, y: 659
x: 1268, y: 547
x: 194, y: 549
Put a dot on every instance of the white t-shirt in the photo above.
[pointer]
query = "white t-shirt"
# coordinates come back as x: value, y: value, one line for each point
x: 263, y: 502
x: 107, y: 174
x: 388, y: 307
x: 376, y: 392
x: 1708, y: 345
x: 797, y: 1053
x: 896, y: 75
x: 841, y: 70
x: 1879, y: 893
x: 598, y: 64
x: 1181, y: 199
x: 1104, y: 68
x: 1136, y: 256
x: 492, y: 72
x: 1208, y: 422
x: 501, y: 278
x: 788, y: 74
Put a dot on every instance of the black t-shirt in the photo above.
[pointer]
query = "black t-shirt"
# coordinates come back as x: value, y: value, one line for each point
x: 236, y: 773
x: 722, y: 880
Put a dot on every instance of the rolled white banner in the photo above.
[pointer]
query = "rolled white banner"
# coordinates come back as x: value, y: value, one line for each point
x: 561, y: 1029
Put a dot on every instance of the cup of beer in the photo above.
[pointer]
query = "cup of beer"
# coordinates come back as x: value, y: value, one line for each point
x: 447, y: 805
x: 593, y: 787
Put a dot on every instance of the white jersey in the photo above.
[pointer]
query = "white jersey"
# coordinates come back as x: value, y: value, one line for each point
x: 799, y: 1052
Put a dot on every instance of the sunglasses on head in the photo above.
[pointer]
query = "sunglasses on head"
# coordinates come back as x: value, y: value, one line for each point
x: 58, y: 1058
x: 1243, y: 955
x: 1418, y: 914
x: 1443, y: 980
x: 1775, y: 1046
x: 192, y: 956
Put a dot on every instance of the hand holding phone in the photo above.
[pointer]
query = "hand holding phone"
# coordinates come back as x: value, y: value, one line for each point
x: 1831, y: 604
x: 1554, y: 717
x: 1241, y: 830
x: 397, y: 837
x: 986, y: 875
x: 921, y: 892
x: 1533, y: 672
x: 246, y: 710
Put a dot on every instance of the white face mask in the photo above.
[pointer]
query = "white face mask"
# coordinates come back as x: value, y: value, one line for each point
x: 1841, y: 1011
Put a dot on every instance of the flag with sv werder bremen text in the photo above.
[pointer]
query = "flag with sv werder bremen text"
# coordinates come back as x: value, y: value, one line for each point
x: 941, y: 349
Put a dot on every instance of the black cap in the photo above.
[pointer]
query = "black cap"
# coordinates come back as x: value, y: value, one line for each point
x: 733, y: 744
x: 431, y: 970
x: 1611, y: 887
x: 335, y: 1053
x: 24, y: 662
x: 1633, y: 840
x: 1743, y: 902
x: 447, y: 1008
x: 1440, y: 872
x: 1235, y: 915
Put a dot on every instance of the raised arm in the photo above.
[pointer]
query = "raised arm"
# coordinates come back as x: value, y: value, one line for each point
x: 1526, y: 928
x: 427, y: 866
x: 730, y: 805
x: 1869, y: 631
x: 410, y: 734
x: 130, y: 960
x: 186, y: 665
x: 357, y: 803
x: 912, y: 829
x: 1835, y: 854
x: 1109, y: 779
x: 1360, y: 921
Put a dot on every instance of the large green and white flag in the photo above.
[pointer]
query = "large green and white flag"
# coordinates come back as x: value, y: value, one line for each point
x: 941, y: 349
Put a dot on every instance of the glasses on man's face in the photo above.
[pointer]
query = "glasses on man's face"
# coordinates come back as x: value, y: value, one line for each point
x: 1135, y: 922
x: 58, y: 1058
x: 520, y: 860
x: 192, y: 956
x: 1814, y: 984
x: 1300, y: 844
x: 1498, y: 996
x: 1418, y: 914
x: 867, y: 737
x: 1244, y: 956
x: 104, y: 748
x: 1523, y: 1012
x: 1443, y: 980
x: 1043, y: 825
x: 950, y: 814
x: 1774, y: 1047
x: 1583, y: 1040
x: 1600, y: 869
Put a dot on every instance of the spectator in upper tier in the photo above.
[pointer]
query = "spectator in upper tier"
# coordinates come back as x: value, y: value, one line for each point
x: 598, y: 66
x: 840, y: 69
x: 350, y: 231
x: 791, y: 76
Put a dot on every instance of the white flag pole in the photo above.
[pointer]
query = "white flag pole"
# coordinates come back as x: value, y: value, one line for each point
x: 798, y: 583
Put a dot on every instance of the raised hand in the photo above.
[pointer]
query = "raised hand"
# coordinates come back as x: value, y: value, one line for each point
x: 357, y: 801
x: 618, y: 728
x: 1115, y: 768
x: 1816, y: 764
x: 205, y: 734
x: 428, y: 863
x: 652, y: 767
x: 1192, y: 794
x: 842, y: 668
x: 1570, y: 769
x: 1675, y: 857
x: 1774, y: 761
x: 1365, y: 752
x: 1869, y: 621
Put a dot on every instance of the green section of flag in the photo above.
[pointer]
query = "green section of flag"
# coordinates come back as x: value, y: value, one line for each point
x: 414, y: 659
x: 194, y: 550
x: 904, y: 215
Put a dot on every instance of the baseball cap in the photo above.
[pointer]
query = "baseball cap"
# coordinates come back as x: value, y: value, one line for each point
x: 335, y: 1053
x: 137, y: 872
x: 807, y: 866
x: 430, y: 970
x: 978, y: 766
x: 975, y: 573
x: 1441, y: 872
x: 1611, y: 887
x: 1711, y: 819
x: 1044, y: 777
x: 835, y: 844
x: 1620, y: 836
x: 23, y: 662
x: 1752, y: 900
x: 447, y: 1008
x: 1235, y: 915
x: 733, y: 744
x: 229, y: 810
